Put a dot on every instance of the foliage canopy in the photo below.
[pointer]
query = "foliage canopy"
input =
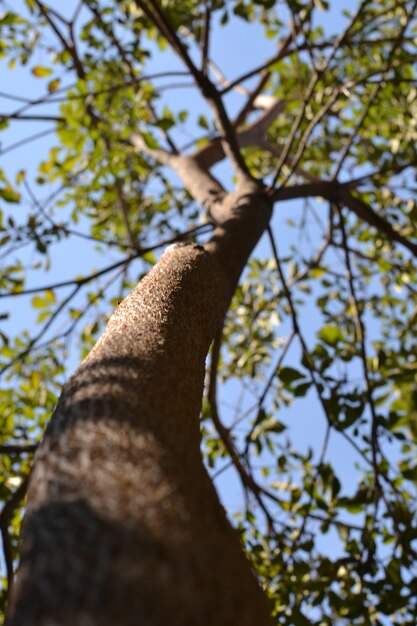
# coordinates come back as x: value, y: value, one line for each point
x: 324, y: 319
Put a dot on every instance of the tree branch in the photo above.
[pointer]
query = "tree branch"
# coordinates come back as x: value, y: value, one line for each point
x: 5, y: 517
x: 360, y: 332
x: 31, y: 118
x: 206, y: 38
x: 67, y: 44
x: 246, y: 478
x: 214, y: 152
x: 338, y: 192
x: 105, y: 270
x: 207, y: 88
x: 310, y: 90
x: 14, y: 448
x: 198, y: 181
x: 366, y: 213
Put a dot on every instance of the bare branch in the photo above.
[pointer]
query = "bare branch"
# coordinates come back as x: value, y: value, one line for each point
x: 77, y: 11
x: 206, y: 38
x: 68, y: 45
x: 252, y: 100
x: 26, y: 140
x: 282, y: 52
x: 159, y: 154
x: 198, y: 181
x: 31, y: 118
x: 14, y: 448
x: 365, y: 212
x: 214, y: 151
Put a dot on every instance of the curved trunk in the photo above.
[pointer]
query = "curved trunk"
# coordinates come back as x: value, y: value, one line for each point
x: 123, y: 525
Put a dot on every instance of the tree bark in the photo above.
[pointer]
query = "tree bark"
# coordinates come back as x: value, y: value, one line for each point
x: 123, y: 525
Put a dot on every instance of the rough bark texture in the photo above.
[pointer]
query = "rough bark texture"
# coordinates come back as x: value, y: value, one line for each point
x: 123, y: 525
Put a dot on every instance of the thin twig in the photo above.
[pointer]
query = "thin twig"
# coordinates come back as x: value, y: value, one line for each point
x: 42, y: 332
x: 70, y: 47
x: 206, y: 37
x: 337, y: 192
x: 85, y: 279
x: 396, y: 42
x: 26, y: 140
x: 268, y: 384
x: 309, y: 92
x: 5, y: 517
x: 247, y: 480
x: 207, y: 88
x: 15, y: 448
x: 360, y: 332
x: 31, y: 118
x: 307, y: 356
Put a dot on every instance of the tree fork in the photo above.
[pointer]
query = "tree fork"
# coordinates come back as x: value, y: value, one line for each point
x: 123, y: 525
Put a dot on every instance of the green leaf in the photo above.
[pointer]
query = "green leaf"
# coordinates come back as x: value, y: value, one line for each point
x: 202, y: 121
x: 8, y: 18
x: 301, y: 390
x: 331, y: 335
x: 289, y: 375
x: 410, y: 473
x: 149, y: 257
x: 40, y: 71
x: 53, y: 85
x: 165, y: 123
x: 20, y: 176
x: 150, y: 141
x: 10, y: 195
x: 393, y: 572
x: 321, y: 4
x: 270, y: 424
x: 40, y: 302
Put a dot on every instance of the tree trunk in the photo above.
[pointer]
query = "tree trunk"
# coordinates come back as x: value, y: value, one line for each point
x: 123, y: 525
